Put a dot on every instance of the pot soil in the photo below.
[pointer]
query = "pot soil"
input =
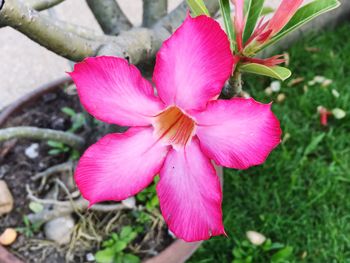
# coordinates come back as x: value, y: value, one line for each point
x: 43, y: 108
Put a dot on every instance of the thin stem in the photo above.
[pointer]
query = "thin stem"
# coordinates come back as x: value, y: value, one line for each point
x: 59, y: 168
x: 153, y: 10
x: 236, y: 83
x: 40, y: 5
x: 34, y: 133
x: 110, y: 16
x: 67, y: 207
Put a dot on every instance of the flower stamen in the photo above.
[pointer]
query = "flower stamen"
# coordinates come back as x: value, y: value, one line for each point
x: 174, y: 127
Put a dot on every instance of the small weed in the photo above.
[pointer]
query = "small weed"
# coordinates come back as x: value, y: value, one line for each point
x: 114, y: 248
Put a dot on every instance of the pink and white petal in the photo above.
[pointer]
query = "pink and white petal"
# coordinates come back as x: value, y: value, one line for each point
x: 283, y: 14
x: 237, y: 133
x: 190, y: 194
x: 114, y: 91
x: 119, y: 165
x: 193, y: 64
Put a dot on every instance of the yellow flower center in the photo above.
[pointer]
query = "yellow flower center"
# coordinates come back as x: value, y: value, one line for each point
x: 174, y: 127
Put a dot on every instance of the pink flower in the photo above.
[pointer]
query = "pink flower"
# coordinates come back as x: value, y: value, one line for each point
x: 175, y: 134
x: 264, y: 30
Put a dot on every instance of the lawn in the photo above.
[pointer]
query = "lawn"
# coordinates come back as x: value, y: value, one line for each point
x: 299, y: 198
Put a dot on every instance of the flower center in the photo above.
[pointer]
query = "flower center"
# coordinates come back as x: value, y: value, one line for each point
x: 174, y: 127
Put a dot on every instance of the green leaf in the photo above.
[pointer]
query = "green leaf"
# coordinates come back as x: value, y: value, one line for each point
x: 254, y: 11
x: 69, y: 111
x: 36, y: 207
x: 55, y: 151
x: 55, y: 144
x: 125, y: 232
x: 266, y: 10
x: 198, y: 7
x: 153, y: 203
x: 282, y: 255
x: 74, y: 155
x: 226, y: 14
x: 314, y: 144
x: 304, y: 15
x: 120, y: 246
x: 105, y: 256
x: 129, y: 258
x: 276, y: 72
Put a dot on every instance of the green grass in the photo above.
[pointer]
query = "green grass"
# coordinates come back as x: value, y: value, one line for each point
x: 301, y: 196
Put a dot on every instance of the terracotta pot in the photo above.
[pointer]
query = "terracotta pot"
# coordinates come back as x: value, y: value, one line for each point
x: 177, y: 252
x: 7, y: 257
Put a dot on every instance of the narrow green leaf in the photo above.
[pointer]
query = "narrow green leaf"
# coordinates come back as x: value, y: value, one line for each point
x: 267, y: 10
x: 314, y: 144
x: 247, y: 4
x: 226, y: 14
x: 69, y: 111
x: 198, y: 7
x: 276, y: 72
x: 304, y: 15
x: 254, y: 11
x: 55, y: 144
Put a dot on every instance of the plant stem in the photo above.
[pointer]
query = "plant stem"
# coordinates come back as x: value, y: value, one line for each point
x: 110, y: 16
x: 59, y: 168
x: 40, y: 5
x: 236, y: 83
x: 34, y: 133
x: 153, y: 10
x: 46, y: 32
x: 138, y: 44
x: 63, y: 208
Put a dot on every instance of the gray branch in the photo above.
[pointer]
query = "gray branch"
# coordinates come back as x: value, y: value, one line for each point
x: 40, y: 5
x: 138, y: 44
x: 46, y: 31
x: 68, y: 27
x: 34, y: 133
x: 153, y: 10
x: 59, y: 168
x: 110, y: 16
x: 67, y: 207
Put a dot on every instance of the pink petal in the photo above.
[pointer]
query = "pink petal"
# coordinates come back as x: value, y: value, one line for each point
x: 114, y: 91
x: 193, y: 64
x: 237, y: 133
x: 190, y: 194
x: 119, y: 165
x: 239, y: 22
x: 284, y: 13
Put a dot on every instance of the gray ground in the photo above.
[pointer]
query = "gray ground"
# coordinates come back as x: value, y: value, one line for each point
x: 24, y: 65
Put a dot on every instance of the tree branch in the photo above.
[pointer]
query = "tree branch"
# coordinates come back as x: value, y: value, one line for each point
x: 138, y: 44
x: 2, y: 2
x: 46, y: 32
x: 59, y: 168
x: 110, y: 16
x: 34, y: 133
x: 67, y: 207
x: 153, y: 10
x: 83, y: 32
x: 40, y: 5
